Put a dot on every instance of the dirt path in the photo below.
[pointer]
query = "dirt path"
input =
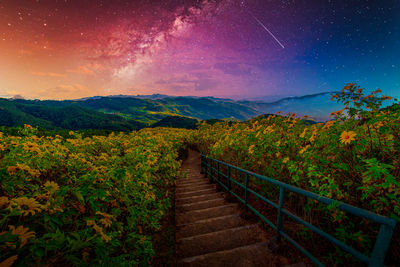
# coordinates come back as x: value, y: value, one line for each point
x: 210, y: 230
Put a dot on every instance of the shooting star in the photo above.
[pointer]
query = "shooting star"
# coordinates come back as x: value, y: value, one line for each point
x: 265, y: 28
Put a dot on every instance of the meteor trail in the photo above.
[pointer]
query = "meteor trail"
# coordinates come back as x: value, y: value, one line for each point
x: 262, y: 25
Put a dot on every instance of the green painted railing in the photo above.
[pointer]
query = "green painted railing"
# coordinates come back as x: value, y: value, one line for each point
x: 211, y: 168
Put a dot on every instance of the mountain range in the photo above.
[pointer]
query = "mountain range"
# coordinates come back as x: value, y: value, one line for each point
x: 123, y: 113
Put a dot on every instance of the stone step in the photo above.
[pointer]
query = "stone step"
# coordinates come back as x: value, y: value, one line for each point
x: 220, y: 240
x: 185, y: 183
x: 196, y: 215
x: 195, y: 193
x: 255, y: 255
x: 201, y: 205
x: 180, y: 190
x: 194, y: 199
x: 209, y: 226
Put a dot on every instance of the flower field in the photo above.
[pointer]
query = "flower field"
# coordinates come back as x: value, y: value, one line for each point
x: 85, y: 201
x: 353, y: 158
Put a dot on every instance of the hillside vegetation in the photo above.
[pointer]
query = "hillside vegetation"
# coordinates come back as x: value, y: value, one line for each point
x: 85, y: 201
x: 18, y: 113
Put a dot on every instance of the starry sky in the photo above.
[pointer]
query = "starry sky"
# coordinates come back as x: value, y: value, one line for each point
x: 68, y: 49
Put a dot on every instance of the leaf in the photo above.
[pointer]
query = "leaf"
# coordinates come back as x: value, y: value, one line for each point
x: 79, y: 196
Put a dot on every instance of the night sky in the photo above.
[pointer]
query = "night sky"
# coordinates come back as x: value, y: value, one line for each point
x: 68, y: 49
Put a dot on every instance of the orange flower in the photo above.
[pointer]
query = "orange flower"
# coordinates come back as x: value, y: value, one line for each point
x: 347, y: 137
x: 303, y: 133
x: 9, y: 262
x: 51, y: 186
x: 27, y: 205
x: 22, y: 233
x: 4, y: 201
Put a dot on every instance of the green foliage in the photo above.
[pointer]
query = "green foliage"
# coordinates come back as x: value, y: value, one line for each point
x: 85, y: 201
x: 177, y: 122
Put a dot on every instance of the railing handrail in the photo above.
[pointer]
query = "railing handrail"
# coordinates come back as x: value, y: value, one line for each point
x: 387, y: 225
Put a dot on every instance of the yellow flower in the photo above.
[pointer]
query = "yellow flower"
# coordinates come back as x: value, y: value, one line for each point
x: 285, y: 160
x: 304, y: 149
x: 303, y: 133
x: 328, y: 124
x: 312, y: 138
x: 8, y: 262
x: 99, y: 230
x: 107, y: 220
x: 269, y: 129
x: 51, y: 186
x: 4, y: 202
x: 251, y: 149
x: 22, y: 233
x: 27, y: 205
x: 347, y: 137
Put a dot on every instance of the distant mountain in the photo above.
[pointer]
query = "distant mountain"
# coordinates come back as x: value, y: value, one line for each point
x: 123, y: 112
x: 150, y: 111
x: 317, y: 106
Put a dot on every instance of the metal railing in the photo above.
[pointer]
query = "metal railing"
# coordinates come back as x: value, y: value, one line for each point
x: 211, y: 168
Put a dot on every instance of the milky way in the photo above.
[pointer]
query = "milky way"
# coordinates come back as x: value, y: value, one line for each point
x: 77, y: 48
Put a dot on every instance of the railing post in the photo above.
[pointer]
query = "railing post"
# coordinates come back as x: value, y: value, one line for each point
x: 229, y: 178
x: 381, y: 245
x: 279, y: 218
x: 246, y: 193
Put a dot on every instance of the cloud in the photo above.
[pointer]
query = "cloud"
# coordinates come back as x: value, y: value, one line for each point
x: 67, y: 91
x: 88, y: 69
x: 48, y: 74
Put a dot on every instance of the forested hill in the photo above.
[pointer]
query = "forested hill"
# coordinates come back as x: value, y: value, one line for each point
x: 73, y: 117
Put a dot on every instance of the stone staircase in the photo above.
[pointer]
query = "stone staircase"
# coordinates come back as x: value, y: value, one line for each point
x: 210, y: 230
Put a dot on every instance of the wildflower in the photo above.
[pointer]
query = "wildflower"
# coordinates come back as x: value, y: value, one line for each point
x: 304, y: 149
x: 12, y: 170
x: 22, y: 233
x: 328, y: 124
x: 107, y: 220
x: 347, y: 137
x: 99, y: 230
x: 4, y: 202
x: 303, y: 133
x: 150, y: 195
x: 9, y: 262
x: 338, y: 112
x: 269, y: 129
x: 27, y: 126
x: 383, y: 98
x: 285, y: 160
x: 27, y: 205
x: 251, y: 149
x: 312, y: 138
x: 51, y: 186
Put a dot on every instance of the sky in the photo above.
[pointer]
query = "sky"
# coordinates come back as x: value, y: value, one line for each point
x: 68, y: 49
